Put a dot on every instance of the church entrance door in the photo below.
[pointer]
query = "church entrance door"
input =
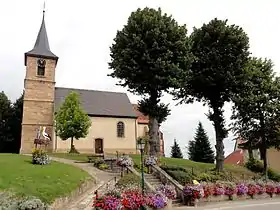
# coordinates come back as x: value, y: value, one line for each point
x: 98, y: 146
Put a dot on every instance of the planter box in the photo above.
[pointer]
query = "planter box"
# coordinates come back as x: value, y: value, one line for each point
x: 218, y: 198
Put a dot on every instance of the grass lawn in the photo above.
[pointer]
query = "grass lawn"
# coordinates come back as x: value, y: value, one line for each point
x: 71, y: 156
x: 19, y: 175
x: 236, y: 171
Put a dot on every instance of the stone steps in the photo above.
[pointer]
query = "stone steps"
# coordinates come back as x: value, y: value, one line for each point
x: 154, y: 181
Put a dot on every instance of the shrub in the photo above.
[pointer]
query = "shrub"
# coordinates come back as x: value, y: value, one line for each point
x: 230, y: 189
x: 98, y: 162
x: 242, y: 189
x: 150, y: 161
x: 254, y: 165
x: 9, y: 201
x: 192, y: 192
x: 40, y: 157
x: 273, y: 175
x: 208, y: 177
x: 103, y: 166
x: 125, y: 161
x: 131, y: 198
x: 173, y: 168
x: 128, y: 179
x: 168, y: 190
x: 257, y: 167
x: 138, y: 168
x: 181, y: 176
x: 156, y: 201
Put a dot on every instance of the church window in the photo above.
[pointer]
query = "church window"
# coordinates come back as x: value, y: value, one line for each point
x: 41, y: 63
x: 120, y: 129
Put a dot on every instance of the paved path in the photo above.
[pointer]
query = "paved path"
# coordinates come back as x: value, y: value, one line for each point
x: 84, y: 202
x: 266, y: 204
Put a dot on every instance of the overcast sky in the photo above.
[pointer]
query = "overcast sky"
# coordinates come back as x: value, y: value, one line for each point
x: 81, y: 31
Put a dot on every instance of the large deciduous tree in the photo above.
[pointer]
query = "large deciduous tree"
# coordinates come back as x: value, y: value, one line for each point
x: 256, y: 109
x: 15, y: 122
x: 148, y: 56
x: 71, y: 120
x: 200, y: 148
x: 221, y: 53
x: 5, y: 116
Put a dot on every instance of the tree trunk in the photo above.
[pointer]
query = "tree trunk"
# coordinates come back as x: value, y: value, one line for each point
x: 153, y: 136
x: 72, y: 148
x: 219, y: 131
x: 153, y: 126
x: 72, y: 142
x: 263, y: 144
x: 250, y: 152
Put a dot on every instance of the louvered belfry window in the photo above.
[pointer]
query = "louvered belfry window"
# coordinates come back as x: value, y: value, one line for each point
x: 120, y: 129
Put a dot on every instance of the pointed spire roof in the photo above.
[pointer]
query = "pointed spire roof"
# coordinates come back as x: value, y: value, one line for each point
x: 41, y: 47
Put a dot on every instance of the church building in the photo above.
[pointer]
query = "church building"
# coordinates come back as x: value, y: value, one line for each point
x: 115, y: 122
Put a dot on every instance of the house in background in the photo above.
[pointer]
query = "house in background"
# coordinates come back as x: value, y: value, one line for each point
x: 241, y: 156
x: 143, y: 128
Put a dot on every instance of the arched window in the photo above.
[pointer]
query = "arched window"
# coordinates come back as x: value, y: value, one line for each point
x: 120, y: 129
x: 41, y: 63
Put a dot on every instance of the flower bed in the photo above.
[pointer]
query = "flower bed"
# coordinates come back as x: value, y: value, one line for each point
x: 131, y: 198
x: 124, y: 161
x: 150, y: 161
x: 40, y: 157
x: 206, y: 192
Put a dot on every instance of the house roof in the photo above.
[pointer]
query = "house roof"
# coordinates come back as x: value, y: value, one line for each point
x: 235, y: 158
x: 99, y: 103
x: 41, y: 47
x: 141, y: 118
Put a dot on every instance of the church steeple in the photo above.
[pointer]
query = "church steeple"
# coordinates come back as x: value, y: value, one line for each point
x: 41, y: 47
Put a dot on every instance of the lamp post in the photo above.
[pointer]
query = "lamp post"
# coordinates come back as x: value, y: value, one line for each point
x: 141, y: 146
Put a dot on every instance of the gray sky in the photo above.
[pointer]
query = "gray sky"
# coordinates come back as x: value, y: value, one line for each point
x: 81, y: 31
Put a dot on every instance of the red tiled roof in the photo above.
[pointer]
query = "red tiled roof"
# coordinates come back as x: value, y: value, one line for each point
x: 235, y: 158
x: 141, y: 118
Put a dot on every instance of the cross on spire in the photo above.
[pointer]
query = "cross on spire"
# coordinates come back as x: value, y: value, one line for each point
x: 41, y: 47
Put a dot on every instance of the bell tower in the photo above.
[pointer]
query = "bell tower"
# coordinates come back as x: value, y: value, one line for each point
x: 39, y: 90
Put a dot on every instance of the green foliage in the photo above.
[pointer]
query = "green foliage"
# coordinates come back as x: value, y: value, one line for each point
x: 200, y: 149
x: 10, y: 124
x: 191, y: 150
x: 232, y: 172
x: 160, y: 111
x: 71, y: 120
x: 176, y: 150
x: 46, y: 183
x: 221, y: 52
x: 138, y: 168
x: 174, y: 168
x: 103, y: 166
x: 5, y: 116
x: 150, y: 52
x: 40, y: 157
x: 98, y: 161
x: 256, y: 109
x: 9, y: 201
x: 181, y: 176
x: 254, y: 165
x: 15, y: 122
x: 128, y: 179
x: 149, y: 56
x: 257, y: 166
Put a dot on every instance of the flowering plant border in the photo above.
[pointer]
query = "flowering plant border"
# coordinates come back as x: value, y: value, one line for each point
x: 150, y: 161
x: 124, y: 161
